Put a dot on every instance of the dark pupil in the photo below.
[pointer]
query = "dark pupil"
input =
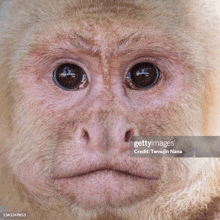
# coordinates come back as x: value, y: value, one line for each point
x: 144, y: 75
x: 68, y: 76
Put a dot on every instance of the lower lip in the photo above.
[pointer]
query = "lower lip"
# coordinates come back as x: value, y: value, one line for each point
x: 106, y: 188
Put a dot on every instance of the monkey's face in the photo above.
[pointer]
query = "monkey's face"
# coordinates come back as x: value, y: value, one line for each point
x: 86, y: 89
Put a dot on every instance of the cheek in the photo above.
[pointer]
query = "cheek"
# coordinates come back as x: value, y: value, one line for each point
x: 34, y: 138
x: 33, y: 170
x: 33, y: 177
x: 158, y: 96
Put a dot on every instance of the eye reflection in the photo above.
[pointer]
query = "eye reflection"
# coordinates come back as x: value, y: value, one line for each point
x: 69, y: 76
x: 143, y: 75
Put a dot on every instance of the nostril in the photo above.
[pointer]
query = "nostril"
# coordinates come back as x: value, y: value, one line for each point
x: 128, y: 135
x: 85, y: 135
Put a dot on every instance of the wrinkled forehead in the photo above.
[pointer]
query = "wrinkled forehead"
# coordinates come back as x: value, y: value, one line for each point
x: 105, y: 33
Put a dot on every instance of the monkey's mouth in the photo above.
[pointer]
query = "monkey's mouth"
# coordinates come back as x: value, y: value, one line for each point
x: 107, y: 182
x: 106, y: 171
x: 106, y: 187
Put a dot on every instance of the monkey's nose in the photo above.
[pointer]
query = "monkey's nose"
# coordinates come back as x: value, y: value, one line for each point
x: 85, y: 135
x: 111, y: 138
x: 128, y: 135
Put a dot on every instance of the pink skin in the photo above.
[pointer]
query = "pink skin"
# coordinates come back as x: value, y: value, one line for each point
x: 91, y: 163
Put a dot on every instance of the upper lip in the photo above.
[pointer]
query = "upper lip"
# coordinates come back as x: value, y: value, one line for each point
x: 126, y: 166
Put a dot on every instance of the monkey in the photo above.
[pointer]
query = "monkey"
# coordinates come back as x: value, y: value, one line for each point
x: 79, y: 79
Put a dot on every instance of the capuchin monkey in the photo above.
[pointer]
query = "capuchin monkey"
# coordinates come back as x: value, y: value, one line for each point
x: 79, y: 79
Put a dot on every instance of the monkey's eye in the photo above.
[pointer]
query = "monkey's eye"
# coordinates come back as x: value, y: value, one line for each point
x: 69, y: 76
x: 142, y: 76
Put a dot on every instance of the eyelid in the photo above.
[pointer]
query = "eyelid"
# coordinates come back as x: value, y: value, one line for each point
x: 143, y: 59
x: 62, y: 60
x: 59, y: 60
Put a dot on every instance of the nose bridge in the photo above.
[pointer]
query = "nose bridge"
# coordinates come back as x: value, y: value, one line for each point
x: 110, y: 93
x: 107, y: 105
x: 105, y: 95
x: 107, y: 101
x: 105, y: 60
